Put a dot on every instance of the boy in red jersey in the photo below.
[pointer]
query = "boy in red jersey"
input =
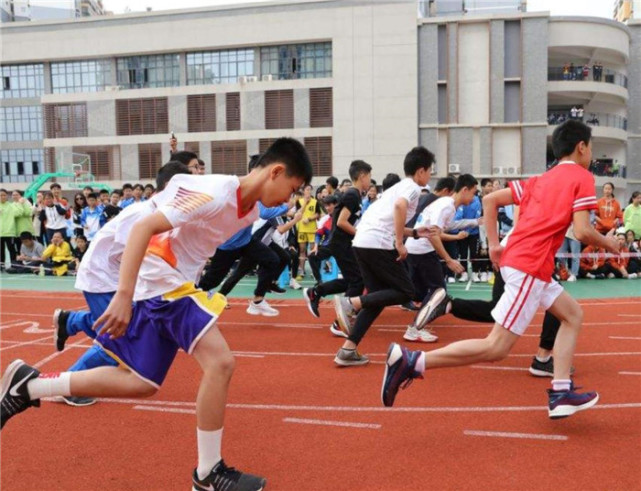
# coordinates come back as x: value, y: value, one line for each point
x: 548, y: 205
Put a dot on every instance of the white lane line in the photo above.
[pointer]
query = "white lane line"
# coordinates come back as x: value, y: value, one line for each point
x: 624, y: 337
x: 165, y: 409
x: 503, y: 434
x: 311, y: 354
x: 321, y: 422
x: 629, y: 315
x: 56, y: 354
x: 518, y: 369
x: 629, y: 373
x: 26, y: 343
x: 240, y: 355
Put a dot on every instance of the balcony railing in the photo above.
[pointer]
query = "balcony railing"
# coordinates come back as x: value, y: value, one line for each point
x: 592, y: 119
x: 604, y: 75
x: 601, y: 168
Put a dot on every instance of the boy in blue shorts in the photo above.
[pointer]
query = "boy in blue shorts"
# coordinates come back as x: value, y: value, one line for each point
x: 164, y: 257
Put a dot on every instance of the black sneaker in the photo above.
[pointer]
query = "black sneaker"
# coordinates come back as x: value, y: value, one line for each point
x: 399, y: 372
x: 544, y: 369
x: 15, y: 397
x: 223, y: 478
x: 409, y: 307
x: 435, y: 307
x: 312, y: 300
x: 78, y: 401
x: 274, y: 288
x: 60, y: 334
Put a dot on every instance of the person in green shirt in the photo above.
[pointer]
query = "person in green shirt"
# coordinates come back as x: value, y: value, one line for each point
x: 23, y: 217
x: 632, y: 215
x: 7, y: 229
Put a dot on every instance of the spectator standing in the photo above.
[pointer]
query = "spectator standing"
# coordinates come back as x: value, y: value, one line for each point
x: 30, y: 254
x: 86, y: 191
x: 23, y: 217
x: 574, y: 112
x: 38, y: 226
x: 470, y: 245
x: 90, y: 218
x: 608, y: 213
x: 632, y: 215
x: 586, y: 71
x: 149, y: 190
x: 79, y: 252
x: 8, y: 213
x: 579, y: 114
x: 331, y: 184
x: 112, y: 209
x: 370, y: 197
x: 79, y: 204
x: 53, y: 216
x: 137, y: 193
x: 59, y: 254
x: 127, y: 197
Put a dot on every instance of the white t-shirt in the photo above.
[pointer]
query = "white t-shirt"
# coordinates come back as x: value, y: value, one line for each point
x: 376, y: 228
x: 439, y: 214
x: 204, y: 211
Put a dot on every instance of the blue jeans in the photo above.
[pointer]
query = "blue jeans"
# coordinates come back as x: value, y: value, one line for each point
x: 574, y: 247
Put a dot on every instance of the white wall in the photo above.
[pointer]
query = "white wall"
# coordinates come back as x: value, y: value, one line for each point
x: 474, y: 73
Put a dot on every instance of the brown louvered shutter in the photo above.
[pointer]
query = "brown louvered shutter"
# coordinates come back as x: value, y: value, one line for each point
x: 65, y: 120
x: 149, y: 160
x: 49, y: 121
x: 279, y: 109
x: 101, y: 160
x: 192, y: 147
x: 50, y: 159
x: 142, y: 116
x: 232, y: 103
x: 229, y: 157
x: 320, y: 153
x: 320, y: 108
x: 264, y: 144
x: 201, y: 113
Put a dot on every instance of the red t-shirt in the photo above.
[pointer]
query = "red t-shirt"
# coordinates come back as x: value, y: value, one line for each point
x: 547, y: 203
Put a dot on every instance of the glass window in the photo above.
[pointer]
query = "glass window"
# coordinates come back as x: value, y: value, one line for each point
x: 20, y: 123
x: 311, y: 60
x: 80, y: 76
x: 21, y: 165
x: 22, y: 81
x: 138, y: 72
x: 219, y: 67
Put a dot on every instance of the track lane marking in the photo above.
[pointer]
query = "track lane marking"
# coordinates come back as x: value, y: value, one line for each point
x: 504, y: 434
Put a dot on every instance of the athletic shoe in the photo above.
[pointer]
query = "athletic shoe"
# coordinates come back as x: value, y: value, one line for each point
x: 475, y: 278
x: 343, y: 309
x: 261, y: 308
x: 463, y: 278
x: 78, y: 401
x: 544, y: 369
x: 410, y: 307
x: 60, y: 334
x: 300, y: 277
x: 312, y: 299
x: 435, y: 307
x: 294, y: 284
x: 610, y: 275
x: 399, y: 372
x: 350, y: 358
x: 590, y: 275
x: 632, y: 276
x: 451, y: 279
x: 274, y: 288
x: 483, y: 277
x: 223, y: 478
x: 490, y: 279
x: 419, y: 335
x: 336, y: 330
x: 571, y: 278
x: 564, y: 403
x: 15, y: 397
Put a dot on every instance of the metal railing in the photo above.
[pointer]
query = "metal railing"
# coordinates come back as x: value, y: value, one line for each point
x: 577, y: 73
x: 592, y: 119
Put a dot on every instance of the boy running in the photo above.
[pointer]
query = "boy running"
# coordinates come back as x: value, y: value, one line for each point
x: 548, y: 205
x: 162, y: 260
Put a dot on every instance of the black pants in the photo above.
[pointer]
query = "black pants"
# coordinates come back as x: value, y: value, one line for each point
x: 426, y: 272
x: 315, y: 261
x: 20, y: 268
x: 9, y: 244
x: 451, y: 247
x: 469, y: 245
x: 352, y: 282
x: 481, y: 311
x: 255, y: 253
x: 600, y: 270
x: 387, y: 282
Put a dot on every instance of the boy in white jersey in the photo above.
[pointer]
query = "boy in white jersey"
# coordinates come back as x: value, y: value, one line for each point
x: 164, y: 256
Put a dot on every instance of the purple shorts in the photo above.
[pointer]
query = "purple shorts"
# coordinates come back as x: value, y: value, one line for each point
x: 161, y: 325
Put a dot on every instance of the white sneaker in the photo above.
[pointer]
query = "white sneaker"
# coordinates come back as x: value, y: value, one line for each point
x: 632, y: 276
x: 610, y: 275
x: 451, y: 279
x: 463, y: 278
x: 344, y: 309
x: 261, y: 308
x: 294, y: 284
x: 483, y: 277
x: 590, y: 275
x: 475, y: 278
x: 571, y: 278
x: 419, y: 335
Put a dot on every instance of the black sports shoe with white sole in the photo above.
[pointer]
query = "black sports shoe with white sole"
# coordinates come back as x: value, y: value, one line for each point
x: 60, y: 334
x: 223, y: 478
x: 15, y: 397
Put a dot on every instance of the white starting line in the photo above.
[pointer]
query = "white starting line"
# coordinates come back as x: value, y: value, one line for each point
x: 320, y: 422
x: 503, y: 434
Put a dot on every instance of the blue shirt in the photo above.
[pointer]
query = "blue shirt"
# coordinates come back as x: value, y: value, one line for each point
x: 90, y: 221
x: 471, y: 211
x: 243, y: 236
x: 124, y: 203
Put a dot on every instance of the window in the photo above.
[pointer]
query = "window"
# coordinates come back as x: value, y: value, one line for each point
x: 264, y: 144
x: 138, y: 72
x: 232, y: 103
x: 219, y: 67
x: 320, y: 107
x: 512, y: 110
x: 312, y: 60
x: 80, y: 76
x: 22, y: 81
x: 201, y: 113
x: 229, y: 157
x: 149, y: 160
x: 101, y: 160
x: 512, y: 47
x: 279, y: 109
x: 320, y: 153
x: 192, y: 147
x: 65, y: 120
x: 20, y: 165
x: 20, y: 123
x: 142, y: 116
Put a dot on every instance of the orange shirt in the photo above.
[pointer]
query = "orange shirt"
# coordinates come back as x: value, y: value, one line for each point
x: 588, y: 263
x: 608, y: 212
x: 619, y: 262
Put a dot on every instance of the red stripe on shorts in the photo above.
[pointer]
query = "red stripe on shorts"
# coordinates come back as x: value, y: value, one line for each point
x: 516, y: 300
x: 527, y: 294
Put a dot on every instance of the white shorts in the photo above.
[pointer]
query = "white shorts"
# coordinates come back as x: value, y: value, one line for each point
x: 523, y: 295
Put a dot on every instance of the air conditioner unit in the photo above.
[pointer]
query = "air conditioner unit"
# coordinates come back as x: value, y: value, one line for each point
x: 267, y: 78
x: 454, y: 168
x: 242, y: 79
x: 253, y: 78
x: 499, y: 171
x: 512, y: 171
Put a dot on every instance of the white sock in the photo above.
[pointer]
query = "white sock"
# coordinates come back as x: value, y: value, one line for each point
x: 420, y: 363
x: 561, y: 384
x: 544, y: 359
x: 50, y: 385
x: 209, y: 443
x: 448, y: 307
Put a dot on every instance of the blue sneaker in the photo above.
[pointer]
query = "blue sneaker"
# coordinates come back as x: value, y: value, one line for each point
x: 564, y: 403
x: 399, y: 372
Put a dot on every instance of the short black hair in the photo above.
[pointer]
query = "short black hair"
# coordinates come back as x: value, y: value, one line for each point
x: 466, y: 181
x: 330, y: 200
x: 445, y: 183
x: 390, y: 180
x: 184, y: 156
x: 103, y: 191
x: 88, y: 187
x: 332, y: 181
x: 609, y: 184
x: 48, y: 194
x: 127, y: 186
x: 485, y: 181
x: 253, y: 161
x: 169, y: 170
x: 568, y: 135
x: 139, y: 186
x: 292, y: 154
x: 150, y: 186
x: 26, y: 236
x: 18, y: 191
x: 201, y: 162
x: 416, y: 159
x: 357, y: 168
x: 92, y: 195
x: 3, y: 190
x: 81, y: 237
x: 117, y: 191
x: 346, y: 181
x: 55, y: 185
